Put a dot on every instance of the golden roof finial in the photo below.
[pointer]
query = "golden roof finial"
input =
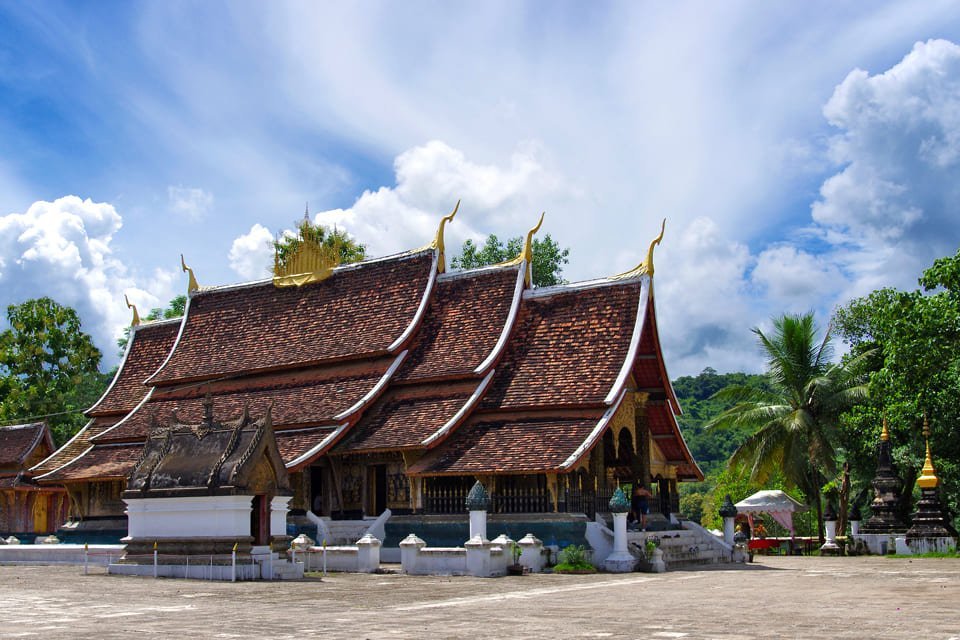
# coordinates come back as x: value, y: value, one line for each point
x: 438, y: 240
x: 526, y: 254
x: 645, y: 267
x: 192, y: 283
x: 885, y: 433
x: 136, y: 316
x: 309, y: 260
x: 928, y: 477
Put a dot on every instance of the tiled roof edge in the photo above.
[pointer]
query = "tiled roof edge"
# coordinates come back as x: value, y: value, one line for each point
x: 591, y: 440
x: 469, y: 273
x: 126, y: 417
x: 176, y: 343
x: 421, y: 310
x: 377, y: 388
x: 67, y: 444
x: 317, y: 450
x: 508, y: 325
x: 67, y: 464
x: 440, y: 434
x: 634, y: 343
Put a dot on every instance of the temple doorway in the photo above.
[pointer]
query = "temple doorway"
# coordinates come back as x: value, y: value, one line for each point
x: 260, y: 519
x: 663, y: 486
x: 316, y: 491
x: 378, y: 488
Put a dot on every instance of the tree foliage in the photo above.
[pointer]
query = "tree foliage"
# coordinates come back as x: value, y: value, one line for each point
x: 793, y: 424
x: 48, y: 367
x: 915, y: 371
x: 548, y: 257
x: 342, y: 243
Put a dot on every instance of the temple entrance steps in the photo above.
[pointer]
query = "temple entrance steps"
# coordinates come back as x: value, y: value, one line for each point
x: 346, y: 532
x: 681, y: 547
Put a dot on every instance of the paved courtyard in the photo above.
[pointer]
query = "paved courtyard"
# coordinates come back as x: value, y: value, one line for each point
x: 776, y: 597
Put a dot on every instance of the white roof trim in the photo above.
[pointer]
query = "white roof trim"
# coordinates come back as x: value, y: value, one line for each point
x: 558, y: 289
x: 468, y: 406
x: 64, y: 466
x: 320, y: 447
x: 621, y: 380
x: 597, y: 430
x: 69, y: 442
x: 421, y: 309
x: 469, y: 273
x: 127, y: 417
x: 384, y: 379
x: 507, y: 327
x: 176, y: 343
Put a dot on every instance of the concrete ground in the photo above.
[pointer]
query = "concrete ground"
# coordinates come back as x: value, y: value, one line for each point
x: 775, y: 597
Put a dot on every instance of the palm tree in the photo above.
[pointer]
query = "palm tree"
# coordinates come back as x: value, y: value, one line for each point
x: 794, y: 421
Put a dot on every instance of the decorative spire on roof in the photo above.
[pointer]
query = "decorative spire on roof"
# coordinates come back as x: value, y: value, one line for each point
x: 192, y: 283
x: 526, y: 254
x: 928, y: 478
x: 309, y: 259
x: 438, y: 240
x: 136, y: 316
x: 645, y: 267
x: 885, y: 434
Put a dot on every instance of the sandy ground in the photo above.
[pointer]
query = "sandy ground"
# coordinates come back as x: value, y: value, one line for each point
x: 775, y: 597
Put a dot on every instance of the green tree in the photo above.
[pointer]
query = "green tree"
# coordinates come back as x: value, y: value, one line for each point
x: 340, y: 242
x: 794, y: 423
x: 548, y: 257
x: 48, y: 367
x: 915, y: 336
x: 175, y: 309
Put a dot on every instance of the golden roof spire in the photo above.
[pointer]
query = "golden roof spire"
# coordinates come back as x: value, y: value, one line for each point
x: 928, y: 478
x: 645, y: 267
x: 136, y: 316
x: 438, y: 240
x: 192, y: 283
x: 885, y: 433
x: 526, y: 254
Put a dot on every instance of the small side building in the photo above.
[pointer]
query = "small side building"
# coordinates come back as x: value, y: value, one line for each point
x: 26, y: 508
x: 208, y: 487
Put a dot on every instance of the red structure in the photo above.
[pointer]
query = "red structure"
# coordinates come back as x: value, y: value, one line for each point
x: 26, y: 508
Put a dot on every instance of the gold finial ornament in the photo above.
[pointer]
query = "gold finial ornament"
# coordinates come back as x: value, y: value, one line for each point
x: 885, y: 433
x: 192, y: 284
x: 645, y: 267
x: 928, y: 477
x: 526, y: 254
x: 136, y: 316
x: 438, y: 240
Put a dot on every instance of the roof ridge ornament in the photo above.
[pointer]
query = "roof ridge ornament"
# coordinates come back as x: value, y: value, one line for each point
x: 645, y: 267
x: 309, y: 261
x: 438, y: 240
x: 192, y: 285
x: 526, y: 254
x: 135, y: 322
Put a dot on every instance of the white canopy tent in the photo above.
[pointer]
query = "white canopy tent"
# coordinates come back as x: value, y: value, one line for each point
x: 779, y: 505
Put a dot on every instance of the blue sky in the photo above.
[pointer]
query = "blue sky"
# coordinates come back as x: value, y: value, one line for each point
x: 802, y: 153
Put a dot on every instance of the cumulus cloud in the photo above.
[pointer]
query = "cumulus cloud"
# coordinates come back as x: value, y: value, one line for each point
x: 251, y: 255
x: 189, y: 202
x: 62, y: 249
x: 793, y: 278
x: 429, y: 179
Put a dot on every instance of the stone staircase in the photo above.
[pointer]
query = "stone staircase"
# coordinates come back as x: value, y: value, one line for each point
x: 687, y: 547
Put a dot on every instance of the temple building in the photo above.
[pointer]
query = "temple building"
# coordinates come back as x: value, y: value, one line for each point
x: 26, y: 508
x: 394, y: 384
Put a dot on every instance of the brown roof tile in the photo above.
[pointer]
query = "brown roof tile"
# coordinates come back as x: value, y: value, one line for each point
x: 507, y: 447
x: 567, y: 349
x: 74, y: 447
x: 295, y: 443
x: 103, y: 462
x: 298, y: 400
x: 150, y: 345
x: 18, y: 441
x: 406, y: 416
x: 360, y: 309
x: 462, y: 325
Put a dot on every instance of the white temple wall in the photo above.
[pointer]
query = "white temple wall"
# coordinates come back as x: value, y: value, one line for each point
x: 200, y: 516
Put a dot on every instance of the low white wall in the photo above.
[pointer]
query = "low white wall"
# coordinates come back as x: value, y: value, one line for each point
x: 200, y: 516
x: 97, y: 554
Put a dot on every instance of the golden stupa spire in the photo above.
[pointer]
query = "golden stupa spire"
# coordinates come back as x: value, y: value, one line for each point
x: 438, y: 240
x: 885, y: 433
x: 645, y: 267
x: 192, y: 283
x: 928, y: 477
x: 136, y: 316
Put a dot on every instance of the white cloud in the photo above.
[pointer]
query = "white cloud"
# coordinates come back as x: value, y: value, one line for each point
x: 189, y: 202
x: 795, y: 279
x: 251, y: 255
x: 62, y: 249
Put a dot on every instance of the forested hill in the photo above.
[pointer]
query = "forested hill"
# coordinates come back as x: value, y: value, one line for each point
x: 711, y: 449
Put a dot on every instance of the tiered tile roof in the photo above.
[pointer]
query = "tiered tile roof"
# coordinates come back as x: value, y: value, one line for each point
x: 18, y: 441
